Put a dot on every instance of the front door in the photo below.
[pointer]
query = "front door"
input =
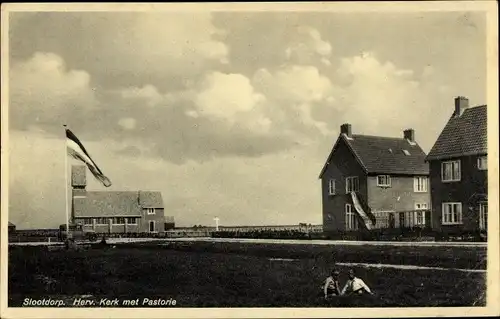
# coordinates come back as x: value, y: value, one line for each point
x: 151, y: 226
x: 483, y: 216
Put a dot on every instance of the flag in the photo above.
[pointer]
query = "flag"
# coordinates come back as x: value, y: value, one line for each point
x: 77, y: 150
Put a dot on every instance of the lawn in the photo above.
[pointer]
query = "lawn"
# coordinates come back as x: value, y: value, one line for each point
x: 196, y: 276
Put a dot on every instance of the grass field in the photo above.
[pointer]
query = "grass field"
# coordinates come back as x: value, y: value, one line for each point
x: 241, y: 275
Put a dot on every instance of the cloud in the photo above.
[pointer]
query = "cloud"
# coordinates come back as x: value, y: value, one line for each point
x: 292, y: 91
x: 127, y: 123
x: 240, y: 191
x: 126, y: 48
x: 220, y: 114
x: 294, y: 83
x: 234, y: 122
x: 306, y: 46
x: 379, y: 98
x: 43, y: 90
x: 36, y: 179
x: 148, y: 93
x: 225, y: 95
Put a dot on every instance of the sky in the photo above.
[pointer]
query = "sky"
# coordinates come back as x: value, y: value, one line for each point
x: 228, y: 114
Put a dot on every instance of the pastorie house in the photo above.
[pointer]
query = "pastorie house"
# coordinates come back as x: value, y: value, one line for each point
x: 458, y: 171
x: 116, y: 211
x: 375, y: 182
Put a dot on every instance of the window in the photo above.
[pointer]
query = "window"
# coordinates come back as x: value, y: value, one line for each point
x: 406, y: 152
x: 420, y: 206
x: 450, y: 171
x: 351, y: 222
x: 101, y: 221
x: 420, y: 184
x: 381, y: 219
x: 87, y: 221
x: 452, y: 213
x: 483, y: 216
x: 482, y: 163
x: 150, y: 211
x: 331, y: 187
x: 352, y: 184
x: 118, y: 221
x: 420, y: 214
x: 384, y: 180
x: 132, y: 220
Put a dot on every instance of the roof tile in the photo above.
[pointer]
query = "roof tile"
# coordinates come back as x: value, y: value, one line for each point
x: 386, y: 155
x: 117, y: 203
x: 463, y: 135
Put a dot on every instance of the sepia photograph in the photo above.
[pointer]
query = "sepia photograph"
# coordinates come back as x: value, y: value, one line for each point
x: 253, y: 156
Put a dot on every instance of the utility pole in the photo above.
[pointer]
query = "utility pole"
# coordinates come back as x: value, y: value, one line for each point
x: 216, y: 223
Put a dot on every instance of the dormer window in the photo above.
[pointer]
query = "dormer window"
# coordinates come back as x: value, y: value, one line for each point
x: 150, y: 211
x: 384, y: 181
x: 406, y: 152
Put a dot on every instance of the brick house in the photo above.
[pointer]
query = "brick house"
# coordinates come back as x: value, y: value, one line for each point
x: 374, y: 182
x: 115, y: 211
x: 458, y: 171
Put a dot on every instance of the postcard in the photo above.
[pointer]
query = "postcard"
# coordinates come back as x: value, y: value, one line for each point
x: 250, y: 160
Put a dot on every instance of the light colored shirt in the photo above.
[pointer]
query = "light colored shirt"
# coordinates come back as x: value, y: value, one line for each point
x: 330, y: 283
x: 354, y: 285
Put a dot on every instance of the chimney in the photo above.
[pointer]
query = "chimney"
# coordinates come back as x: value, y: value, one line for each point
x: 461, y: 103
x: 346, y: 129
x: 409, y: 134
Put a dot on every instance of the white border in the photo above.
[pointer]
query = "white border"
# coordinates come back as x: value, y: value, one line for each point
x: 489, y: 7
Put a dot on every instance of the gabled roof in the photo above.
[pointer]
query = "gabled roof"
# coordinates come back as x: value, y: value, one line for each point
x: 118, y: 203
x: 462, y: 135
x: 384, y: 155
x: 148, y: 199
x: 11, y: 225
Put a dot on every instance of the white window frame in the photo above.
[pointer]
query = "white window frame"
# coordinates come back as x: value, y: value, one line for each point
x: 449, y: 218
x: 351, y: 178
x: 150, y: 211
x: 453, y: 178
x: 101, y: 218
x: 127, y: 220
x: 482, y: 163
x: 387, y: 180
x: 331, y: 187
x: 351, y: 222
x: 483, y: 215
x: 382, y: 218
x: 116, y: 219
x: 420, y: 184
x: 420, y: 213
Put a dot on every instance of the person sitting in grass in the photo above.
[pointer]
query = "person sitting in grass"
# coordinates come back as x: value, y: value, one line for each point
x: 331, y: 287
x: 355, y: 285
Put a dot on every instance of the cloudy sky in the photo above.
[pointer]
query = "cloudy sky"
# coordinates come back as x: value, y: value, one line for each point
x: 227, y: 114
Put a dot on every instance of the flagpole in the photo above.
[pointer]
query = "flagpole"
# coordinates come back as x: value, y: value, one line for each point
x: 66, y: 183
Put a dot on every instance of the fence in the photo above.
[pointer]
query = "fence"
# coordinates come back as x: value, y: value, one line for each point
x: 403, y: 219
